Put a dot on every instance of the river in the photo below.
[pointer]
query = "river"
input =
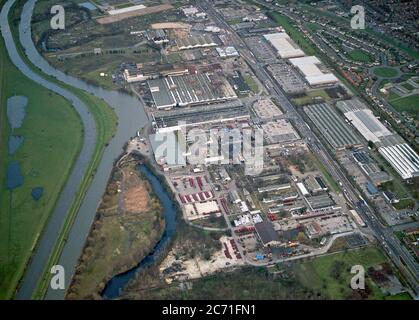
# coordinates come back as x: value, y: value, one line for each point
x: 131, y: 117
x: 115, y: 286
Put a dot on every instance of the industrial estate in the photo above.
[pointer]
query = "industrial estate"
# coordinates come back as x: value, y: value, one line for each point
x: 331, y: 112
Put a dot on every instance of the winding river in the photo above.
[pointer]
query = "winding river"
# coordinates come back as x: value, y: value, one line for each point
x: 131, y: 117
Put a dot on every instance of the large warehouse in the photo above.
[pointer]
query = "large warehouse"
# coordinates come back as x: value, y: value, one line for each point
x: 192, y: 42
x: 189, y: 90
x: 403, y: 159
x: 284, y: 46
x: 310, y: 68
x: 336, y: 131
x: 363, y: 120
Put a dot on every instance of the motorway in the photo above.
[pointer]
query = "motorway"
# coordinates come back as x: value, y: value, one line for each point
x: 398, y: 253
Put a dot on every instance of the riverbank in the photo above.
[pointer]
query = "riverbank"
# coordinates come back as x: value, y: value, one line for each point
x: 49, y: 130
x: 104, y: 127
x: 128, y: 224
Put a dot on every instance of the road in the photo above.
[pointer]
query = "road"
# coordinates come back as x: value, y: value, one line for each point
x: 395, y: 250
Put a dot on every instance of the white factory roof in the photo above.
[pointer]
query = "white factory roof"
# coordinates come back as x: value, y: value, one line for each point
x: 284, y: 45
x: 125, y: 10
x: 367, y: 124
x: 302, y: 188
x: 403, y: 159
x: 308, y: 66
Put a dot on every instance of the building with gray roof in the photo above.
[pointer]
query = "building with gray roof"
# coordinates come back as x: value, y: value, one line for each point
x: 188, y: 90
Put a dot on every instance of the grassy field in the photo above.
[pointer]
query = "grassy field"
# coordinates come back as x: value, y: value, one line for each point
x: 51, y: 129
x: 385, y: 72
x: 361, y: 56
x: 311, y: 96
x: 319, y: 276
x: 294, y: 33
x: 106, y: 121
x: 251, y: 83
x: 409, y: 104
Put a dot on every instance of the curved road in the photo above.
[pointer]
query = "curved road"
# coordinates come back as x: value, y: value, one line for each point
x: 131, y: 117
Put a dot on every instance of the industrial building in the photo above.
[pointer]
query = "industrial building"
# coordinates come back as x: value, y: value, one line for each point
x: 336, y: 131
x: 189, y: 90
x: 284, y: 45
x: 370, y: 168
x: 310, y: 69
x: 403, y: 159
x: 227, y: 52
x: 126, y: 10
x: 320, y: 202
x: 363, y: 120
x: 192, y: 42
x: 287, y: 77
x: 267, y: 234
x: 279, y: 131
x: 265, y: 109
x: 173, y: 120
x: 169, y: 149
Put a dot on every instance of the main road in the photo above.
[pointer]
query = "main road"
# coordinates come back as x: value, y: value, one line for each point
x: 398, y: 253
x: 131, y: 117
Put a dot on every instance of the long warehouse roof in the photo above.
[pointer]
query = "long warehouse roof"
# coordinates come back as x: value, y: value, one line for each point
x: 403, y: 159
x: 284, y: 45
x: 308, y: 66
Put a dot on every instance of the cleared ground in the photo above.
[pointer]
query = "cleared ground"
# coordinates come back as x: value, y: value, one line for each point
x: 128, y: 225
x: 326, y: 277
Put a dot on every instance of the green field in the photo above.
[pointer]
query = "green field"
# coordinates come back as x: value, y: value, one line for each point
x: 409, y: 104
x: 58, y: 136
x: 361, y: 56
x: 385, y: 72
x: 294, y: 33
x: 318, y: 274
x: 251, y: 83
x: 51, y: 129
x: 310, y: 97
